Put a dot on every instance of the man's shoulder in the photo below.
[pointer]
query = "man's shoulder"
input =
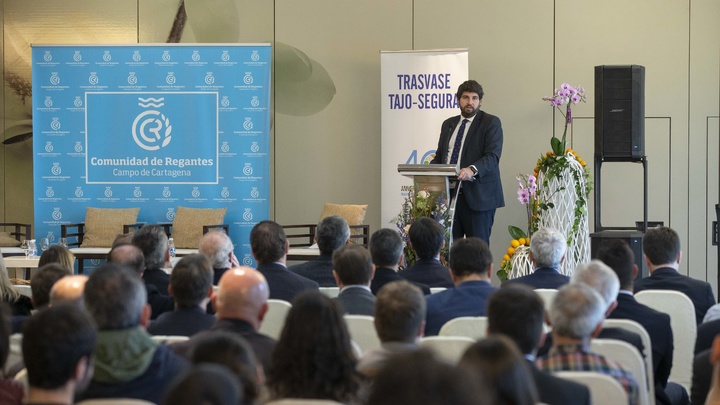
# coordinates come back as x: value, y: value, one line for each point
x: 555, y: 390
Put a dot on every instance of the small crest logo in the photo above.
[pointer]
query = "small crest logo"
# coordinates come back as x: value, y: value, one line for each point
x: 254, y: 102
x: 166, y: 56
x: 195, y: 192
x: 49, y: 192
x: 51, y: 237
x: 248, y: 79
x: 78, y: 147
x: 132, y: 79
x: 170, y: 215
x: 255, y: 56
x: 78, y: 192
x: 56, y: 214
x: 47, y: 57
x: 152, y: 121
x: 166, y: 192
x: 248, y: 125
x: 56, y: 170
x: 95, y: 262
x: 247, y: 170
x: 225, y: 102
x: 106, y: 56
x: 225, y: 147
x: 209, y: 79
x: 225, y: 56
x: 195, y: 56
x: 247, y: 260
x: 77, y: 57
x: 78, y: 102
x: 170, y: 78
x: 48, y: 101
x: 136, y: 56
x: 54, y: 79
x: 93, y: 79
x: 247, y: 215
x: 108, y: 192
x: 55, y: 124
x: 137, y: 192
x: 225, y: 193
x: 255, y: 148
x: 49, y: 147
x: 254, y: 193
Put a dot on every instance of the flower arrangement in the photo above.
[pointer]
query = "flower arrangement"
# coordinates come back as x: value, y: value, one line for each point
x: 424, y: 203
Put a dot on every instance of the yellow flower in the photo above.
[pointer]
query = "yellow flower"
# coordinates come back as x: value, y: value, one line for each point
x: 506, y: 258
x: 522, y: 241
x: 510, y: 251
x: 515, y: 243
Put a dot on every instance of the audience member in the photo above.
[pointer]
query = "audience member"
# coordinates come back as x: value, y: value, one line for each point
x: 427, y: 238
x: 206, y: 384
x: 577, y: 313
x: 418, y: 377
x: 314, y: 358
x: 128, y: 363
x: 517, y: 312
x: 331, y: 234
x: 69, y: 290
x: 11, y: 391
x: 706, y: 333
x: 547, y: 252
x: 269, y: 247
x: 42, y: 282
x: 153, y: 242
x: 191, y: 288
x: 218, y: 248
x: 20, y: 304
x: 661, y: 247
x: 470, y: 268
x: 386, y: 250
x: 353, y: 271
x: 60, y: 255
x: 713, y: 397
x: 499, y: 362
x: 399, y: 322
x: 57, y: 347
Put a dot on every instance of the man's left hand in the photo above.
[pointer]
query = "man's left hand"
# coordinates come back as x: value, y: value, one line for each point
x: 465, y: 173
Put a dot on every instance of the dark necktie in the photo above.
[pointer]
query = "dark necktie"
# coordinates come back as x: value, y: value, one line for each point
x: 458, y: 143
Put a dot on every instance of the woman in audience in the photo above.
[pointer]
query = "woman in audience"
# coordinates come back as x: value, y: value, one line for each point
x: 60, y: 255
x: 314, y: 358
x: 11, y: 391
x: 234, y: 352
x: 207, y: 384
x: 19, y: 304
x: 501, y: 365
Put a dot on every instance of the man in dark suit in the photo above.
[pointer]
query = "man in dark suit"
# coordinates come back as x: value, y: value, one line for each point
x: 427, y: 237
x: 547, y: 251
x: 471, y: 269
x: 519, y: 313
x: 706, y: 334
x: 353, y: 270
x: 386, y: 250
x: 153, y: 242
x: 269, y: 247
x: 218, y: 248
x: 661, y: 247
x: 473, y: 141
x: 331, y: 234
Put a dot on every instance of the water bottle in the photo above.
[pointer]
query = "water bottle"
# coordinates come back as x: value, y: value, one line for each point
x: 32, y: 248
x: 171, y: 245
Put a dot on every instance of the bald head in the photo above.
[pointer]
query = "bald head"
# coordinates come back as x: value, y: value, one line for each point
x: 242, y: 294
x: 128, y: 255
x: 217, y: 247
x: 68, y: 289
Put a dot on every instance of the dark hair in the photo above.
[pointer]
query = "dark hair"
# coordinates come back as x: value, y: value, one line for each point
x: 331, y: 233
x: 470, y: 256
x: 207, y: 384
x: 470, y: 86
x: 353, y: 265
x: 54, y: 341
x: 386, y: 247
x: 518, y: 312
x: 313, y: 357
x: 114, y: 297
x: 418, y: 377
x: 661, y: 245
x: 498, y: 361
x: 129, y: 255
x: 426, y: 236
x: 60, y: 255
x: 617, y: 255
x: 267, y: 242
x: 41, y: 283
x: 153, y: 242
x: 5, y: 332
x: 399, y: 311
x: 232, y: 351
x: 190, y: 280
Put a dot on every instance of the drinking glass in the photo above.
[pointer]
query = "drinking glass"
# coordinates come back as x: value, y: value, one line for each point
x: 44, y: 244
x: 63, y: 242
x: 25, y: 247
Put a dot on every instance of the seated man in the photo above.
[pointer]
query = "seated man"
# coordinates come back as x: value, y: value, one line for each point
x: 471, y: 268
x: 191, y: 287
x: 218, y: 248
x: 331, y: 234
x: 547, y: 251
x: 386, y: 250
x: 153, y: 242
x: 42, y: 282
x: 427, y: 237
x: 353, y: 270
x: 69, y: 290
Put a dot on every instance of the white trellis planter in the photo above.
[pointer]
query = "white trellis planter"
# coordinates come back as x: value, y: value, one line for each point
x: 520, y: 262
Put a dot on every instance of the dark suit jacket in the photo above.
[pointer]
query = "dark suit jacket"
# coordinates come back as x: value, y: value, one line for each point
x: 284, y: 284
x: 384, y: 275
x: 542, y: 277
x: 482, y: 148
x: 666, y: 278
x: 356, y: 301
x: 157, y: 277
x: 556, y: 391
x: 318, y: 270
x: 181, y: 322
x: 467, y: 299
x: 217, y: 273
x: 706, y: 334
x: 701, y: 377
x: 429, y: 272
x: 159, y: 303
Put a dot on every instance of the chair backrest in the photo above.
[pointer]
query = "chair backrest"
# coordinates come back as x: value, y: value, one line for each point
x: 301, y: 401
x: 635, y: 327
x: 547, y: 295
x: 169, y: 339
x: 15, y: 356
x: 448, y: 348
x: 684, y: 329
x: 474, y: 327
x: 604, y: 390
x: 114, y: 401
x: 362, y: 331
x: 434, y: 290
x: 274, y: 320
x: 629, y: 358
x: 23, y: 289
x: 331, y: 292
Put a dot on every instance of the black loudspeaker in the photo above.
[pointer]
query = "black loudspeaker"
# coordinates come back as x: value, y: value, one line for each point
x: 633, y: 239
x: 620, y: 111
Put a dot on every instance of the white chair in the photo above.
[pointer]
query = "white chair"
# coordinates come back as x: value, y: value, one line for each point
x: 15, y: 356
x: 635, y: 327
x: 629, y: 358
x: 300, y: 401
x: 169, y: 339
x: 474, y: 327
x: 23, y: 289
x: 22, y: 377
x: 114, y: 401
x: 331, y: 292
x: 434, y: 290
x: 684, y: 329
x: 448, y: 348
x: 604, y: 390
x: 547, y: 295
x: 362, y: 331
x: 274, y: 320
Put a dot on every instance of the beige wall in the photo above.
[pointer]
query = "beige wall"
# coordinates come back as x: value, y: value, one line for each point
x: 519, y: 50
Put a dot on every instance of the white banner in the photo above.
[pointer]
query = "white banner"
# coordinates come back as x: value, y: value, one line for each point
x: 417, y: 94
